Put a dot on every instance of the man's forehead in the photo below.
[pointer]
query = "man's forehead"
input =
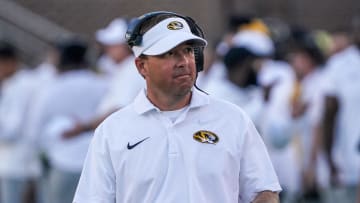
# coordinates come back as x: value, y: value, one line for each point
x: 184, y: 44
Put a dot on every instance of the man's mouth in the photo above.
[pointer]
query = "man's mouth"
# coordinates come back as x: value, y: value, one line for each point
x: 182, y: 75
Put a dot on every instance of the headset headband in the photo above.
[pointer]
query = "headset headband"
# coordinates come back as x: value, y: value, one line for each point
x: 134, y: 37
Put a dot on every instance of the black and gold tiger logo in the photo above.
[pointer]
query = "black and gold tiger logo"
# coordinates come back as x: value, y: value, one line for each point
x: 175, y: 25
x: 205, y: 136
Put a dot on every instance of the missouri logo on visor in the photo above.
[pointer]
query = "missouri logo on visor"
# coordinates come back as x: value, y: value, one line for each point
x: 204, y: 136
x: 175, y: 25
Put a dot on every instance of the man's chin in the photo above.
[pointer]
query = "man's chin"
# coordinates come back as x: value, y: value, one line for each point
x: 183, y: 90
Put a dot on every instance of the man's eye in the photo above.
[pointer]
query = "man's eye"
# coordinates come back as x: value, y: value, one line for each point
x: 169, y: 53
x: 189, y: 50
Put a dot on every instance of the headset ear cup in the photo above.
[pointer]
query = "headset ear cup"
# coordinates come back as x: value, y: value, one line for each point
x: 199, y: 58
x: 198, y: 51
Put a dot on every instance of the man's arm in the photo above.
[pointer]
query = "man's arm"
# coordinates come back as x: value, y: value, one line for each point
x: 266, y: 197
x: 331, y: 110
x: 358, y: 194
x: 256, y: 171
x: 87, y: 126
x: 98, y: 179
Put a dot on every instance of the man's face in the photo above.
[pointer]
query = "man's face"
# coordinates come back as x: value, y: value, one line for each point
x: 170, y: 74
x: 302, y: 63
x: 7, y: 68
x: 340, y: 41
x: 117, y: 52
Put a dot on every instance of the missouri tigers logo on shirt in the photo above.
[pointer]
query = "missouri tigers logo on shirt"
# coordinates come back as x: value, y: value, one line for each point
x: 204, y: 136
x: 175, y: 25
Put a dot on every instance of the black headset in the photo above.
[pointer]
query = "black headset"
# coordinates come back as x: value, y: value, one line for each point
x: 134, y: 37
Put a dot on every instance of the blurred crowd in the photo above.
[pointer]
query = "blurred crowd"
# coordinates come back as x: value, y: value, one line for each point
x: 300, y: 87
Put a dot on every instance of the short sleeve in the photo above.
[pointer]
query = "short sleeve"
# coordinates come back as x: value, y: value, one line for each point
x: 97, y: 181
x: 331, y: 77
x: 256, y: 171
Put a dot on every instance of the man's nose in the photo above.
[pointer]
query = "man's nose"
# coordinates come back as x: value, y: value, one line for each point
x: 182, y: 59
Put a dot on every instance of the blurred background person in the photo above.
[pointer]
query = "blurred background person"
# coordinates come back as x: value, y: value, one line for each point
x: 305, y: 109
x: 256, y: 37
x: 341, y: 117
x: 70, y: 98
x: 274, y: 77
x: 214, y: 69
x: 19, y: 166
x: 239, y: 85
x: 124, y: 80
x: 46, y: 70
x: 113, y: 50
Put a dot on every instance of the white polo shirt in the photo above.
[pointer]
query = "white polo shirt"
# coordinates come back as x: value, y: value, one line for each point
x: 140, y: 155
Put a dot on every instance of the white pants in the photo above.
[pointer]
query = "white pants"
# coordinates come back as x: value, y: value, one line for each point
x: 62, y: 185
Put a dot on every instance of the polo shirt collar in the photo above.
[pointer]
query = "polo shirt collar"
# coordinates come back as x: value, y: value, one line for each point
x: 142, y: 104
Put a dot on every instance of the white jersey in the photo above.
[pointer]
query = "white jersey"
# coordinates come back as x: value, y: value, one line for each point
x: 273, y: 72
x: 343, y: 82
x: 210, y: 153
x: 125, y: 84
x: 312, y: 88
x: 215, y: 73
x: 250, y: 99
x: 106, y: 66
x: 17, y: 157
x: 72, y: 97
x: 275, y: 123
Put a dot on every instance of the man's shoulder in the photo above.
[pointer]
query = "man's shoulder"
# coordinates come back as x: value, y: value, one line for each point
x: 118, y: 120
x: 224, y: 107
x: 126, y: 112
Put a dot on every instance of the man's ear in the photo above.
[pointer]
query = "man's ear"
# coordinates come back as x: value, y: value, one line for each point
x: 140, y: 65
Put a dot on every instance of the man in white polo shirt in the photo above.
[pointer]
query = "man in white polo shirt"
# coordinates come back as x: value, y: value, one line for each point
x: 174, y: 143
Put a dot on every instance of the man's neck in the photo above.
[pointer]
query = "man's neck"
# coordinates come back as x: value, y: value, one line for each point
x: 169, y: 103
x: 122, y: 58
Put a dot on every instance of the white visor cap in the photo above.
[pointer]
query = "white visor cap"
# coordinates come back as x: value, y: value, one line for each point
x: 166, y: 35
x: 113, y: 34
x: 257, y: 42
